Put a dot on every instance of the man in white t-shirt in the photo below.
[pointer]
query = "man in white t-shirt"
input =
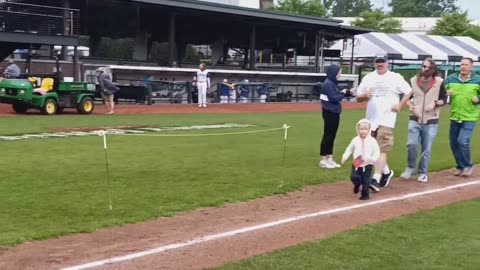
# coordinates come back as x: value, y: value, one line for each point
x: 382, y: 89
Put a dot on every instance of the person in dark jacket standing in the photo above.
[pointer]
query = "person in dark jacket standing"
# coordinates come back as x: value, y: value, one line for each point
x: 108, y: 89
x: 330, y: 98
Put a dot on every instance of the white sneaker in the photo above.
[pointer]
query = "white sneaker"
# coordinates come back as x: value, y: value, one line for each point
x: 467, y: 172
x: 423, y: 178
x: 204, y: 105
x: 333, y: 163
x: 325, y: 164
x: 407, y: 173
x: 199, y: 105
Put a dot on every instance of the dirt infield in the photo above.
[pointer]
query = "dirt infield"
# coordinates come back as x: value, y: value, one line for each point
x: 192, y: 108
x: 133, y: 238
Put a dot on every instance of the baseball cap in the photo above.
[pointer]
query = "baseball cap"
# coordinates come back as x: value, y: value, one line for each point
x: 378, y: 57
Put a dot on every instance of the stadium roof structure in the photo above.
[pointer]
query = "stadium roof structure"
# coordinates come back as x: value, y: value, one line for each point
x: 199, y: 23
x: 215, y: 19
x: 413, y: 47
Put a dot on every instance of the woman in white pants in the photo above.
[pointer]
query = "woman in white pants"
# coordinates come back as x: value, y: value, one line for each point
x: 203, y: 83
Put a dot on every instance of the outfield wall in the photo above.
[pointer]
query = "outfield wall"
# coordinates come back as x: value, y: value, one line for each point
x: 300, y: 84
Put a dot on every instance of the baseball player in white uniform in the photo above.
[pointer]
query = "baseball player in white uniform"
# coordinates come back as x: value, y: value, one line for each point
x: 203, y: 83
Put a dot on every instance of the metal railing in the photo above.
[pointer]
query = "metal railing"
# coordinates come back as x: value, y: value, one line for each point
x: 37, y: 19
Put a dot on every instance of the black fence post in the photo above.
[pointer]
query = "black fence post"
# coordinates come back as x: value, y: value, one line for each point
x: 296, y: 87
x: 149, y: 92
x: 252, y: 91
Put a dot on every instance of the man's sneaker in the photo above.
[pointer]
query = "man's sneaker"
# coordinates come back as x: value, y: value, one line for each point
x: 458, y: 172
x: 374, y: 185
x: 204, y: 105
x: 467, y: 171
x: 356, y: 189
x: 407, y: 173
x: 385, y: 180
x: 199, y: 105
x: 325, y: 164
x: 333, y: 163
x: 423, y: 178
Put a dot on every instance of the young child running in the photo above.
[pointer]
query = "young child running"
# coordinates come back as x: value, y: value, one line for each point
x: 365, y: 152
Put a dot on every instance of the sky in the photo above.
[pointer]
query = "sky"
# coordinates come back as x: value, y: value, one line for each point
x: 471, y: 5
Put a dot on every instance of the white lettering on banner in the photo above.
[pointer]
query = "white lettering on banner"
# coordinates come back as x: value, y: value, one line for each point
x: 117, y: 131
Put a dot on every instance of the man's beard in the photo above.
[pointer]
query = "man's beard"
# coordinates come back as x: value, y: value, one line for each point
x: 427, y: 73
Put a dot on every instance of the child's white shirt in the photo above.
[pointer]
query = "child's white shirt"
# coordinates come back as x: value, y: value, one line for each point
x: 368, y: 148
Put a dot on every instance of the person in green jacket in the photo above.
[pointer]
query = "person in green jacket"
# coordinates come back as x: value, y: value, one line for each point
x: 464, y: 92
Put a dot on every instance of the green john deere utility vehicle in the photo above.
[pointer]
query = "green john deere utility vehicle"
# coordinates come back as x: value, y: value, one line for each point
x: 48, y: 93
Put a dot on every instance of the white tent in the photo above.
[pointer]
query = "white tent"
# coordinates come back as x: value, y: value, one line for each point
x: 410, y: 47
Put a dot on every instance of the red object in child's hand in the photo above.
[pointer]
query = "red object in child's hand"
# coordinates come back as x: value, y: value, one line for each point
x: 358, y: 161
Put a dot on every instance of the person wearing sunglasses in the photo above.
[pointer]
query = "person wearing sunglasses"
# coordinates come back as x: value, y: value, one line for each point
x: 428, y: 94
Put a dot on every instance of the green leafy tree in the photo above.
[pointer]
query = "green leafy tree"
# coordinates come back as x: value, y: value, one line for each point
x: 456, y: 24
x: 474, y: 32
x: 349, y: 8
x: 328, y: 4
x: 105, y: 47
x: 308, y: 7
x: 378, y: 20
x: 422, y: 8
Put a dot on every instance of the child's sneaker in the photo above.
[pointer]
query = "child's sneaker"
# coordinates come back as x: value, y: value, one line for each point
x: 364, y: 197
x: 423, y: 178
x: 325, y: 164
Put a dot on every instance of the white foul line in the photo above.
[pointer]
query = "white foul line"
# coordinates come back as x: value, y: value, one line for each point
x: 259, y: 227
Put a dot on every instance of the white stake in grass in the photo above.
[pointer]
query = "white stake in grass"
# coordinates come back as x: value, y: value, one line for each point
x: 285, y: 127
x: 104, y: 135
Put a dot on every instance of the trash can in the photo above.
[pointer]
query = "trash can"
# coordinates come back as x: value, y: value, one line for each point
x: 194, y: 94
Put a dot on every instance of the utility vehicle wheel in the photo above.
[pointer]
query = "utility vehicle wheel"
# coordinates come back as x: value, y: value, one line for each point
x: 85, y: 106
x: 20, y: 107
x: 50, y: 107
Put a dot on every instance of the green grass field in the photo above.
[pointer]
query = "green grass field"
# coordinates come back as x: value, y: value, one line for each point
x: 441, y: 239
x: 53, y: 187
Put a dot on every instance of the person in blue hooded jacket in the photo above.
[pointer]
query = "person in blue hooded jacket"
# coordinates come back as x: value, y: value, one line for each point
x: 330, y: 98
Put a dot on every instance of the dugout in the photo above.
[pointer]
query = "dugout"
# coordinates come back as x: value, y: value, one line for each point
x: 173, y: 85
